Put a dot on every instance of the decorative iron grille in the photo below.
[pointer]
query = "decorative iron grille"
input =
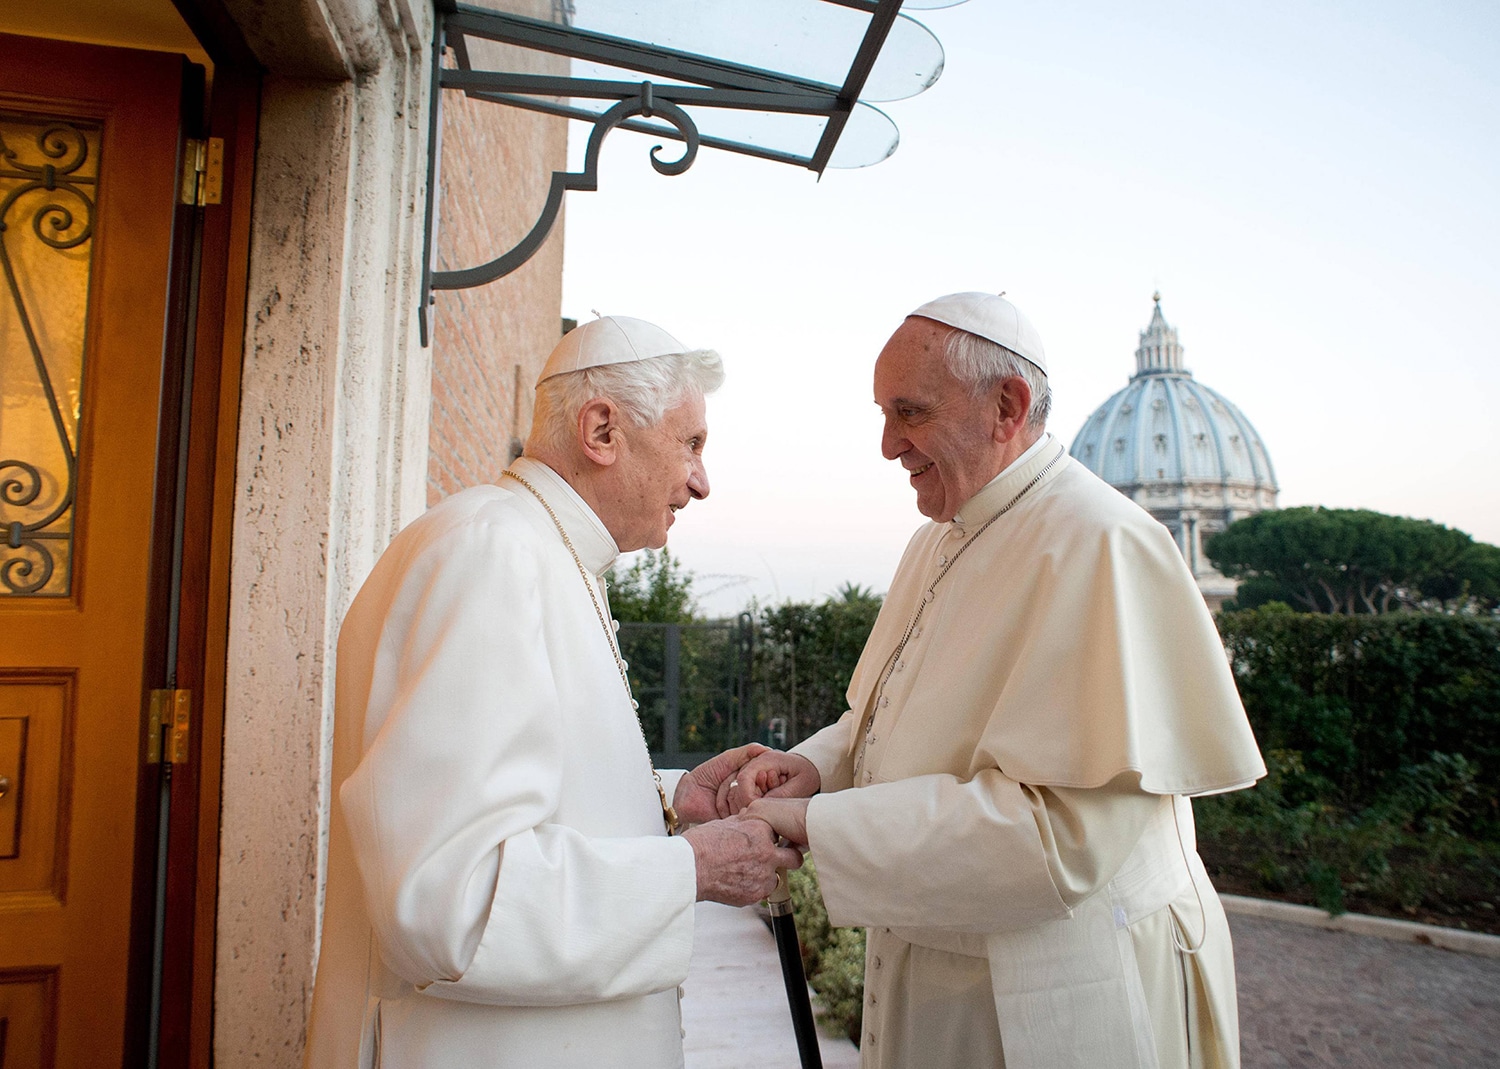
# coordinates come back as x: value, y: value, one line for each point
x: 49, y: 175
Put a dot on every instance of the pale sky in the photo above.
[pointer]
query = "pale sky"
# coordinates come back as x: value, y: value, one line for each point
x: 1313, y: 187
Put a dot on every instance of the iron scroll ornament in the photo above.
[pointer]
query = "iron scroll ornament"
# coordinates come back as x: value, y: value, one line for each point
x: 21, y: 482
x: 586, y: 180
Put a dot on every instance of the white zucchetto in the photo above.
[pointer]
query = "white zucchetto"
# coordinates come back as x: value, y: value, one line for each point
x: 990, y: 317
x: 609, y: 340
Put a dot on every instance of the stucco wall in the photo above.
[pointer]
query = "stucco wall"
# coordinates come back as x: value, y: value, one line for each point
x: 331, y: 462
x: 338, y: 401
x: 490, y: 342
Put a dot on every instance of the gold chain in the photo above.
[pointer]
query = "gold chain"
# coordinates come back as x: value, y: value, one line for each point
x: 890, y: 665
x: 668, y: 814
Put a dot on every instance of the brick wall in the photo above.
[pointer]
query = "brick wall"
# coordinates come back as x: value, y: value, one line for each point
x: 489, y: 343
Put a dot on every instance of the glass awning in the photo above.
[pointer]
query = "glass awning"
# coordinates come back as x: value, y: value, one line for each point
x: 791, y: 81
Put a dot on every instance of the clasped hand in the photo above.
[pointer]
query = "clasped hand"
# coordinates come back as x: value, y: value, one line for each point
x: 742, y: 802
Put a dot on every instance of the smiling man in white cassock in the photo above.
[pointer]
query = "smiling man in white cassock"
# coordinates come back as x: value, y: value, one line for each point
x: 1005, y: 805
x: 504, y: 890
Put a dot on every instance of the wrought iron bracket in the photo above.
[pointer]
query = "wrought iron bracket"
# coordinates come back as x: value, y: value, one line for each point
x: 644, y: 106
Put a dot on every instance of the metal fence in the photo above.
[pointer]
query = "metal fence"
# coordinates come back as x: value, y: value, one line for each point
x: 693, y: 684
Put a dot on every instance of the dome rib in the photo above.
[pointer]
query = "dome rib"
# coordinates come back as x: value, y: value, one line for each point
x: 1220, y: 460
x: 1179, y: 431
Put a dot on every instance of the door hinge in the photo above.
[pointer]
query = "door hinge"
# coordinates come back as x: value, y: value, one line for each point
x: 169, y: 727
x: 203, y: 171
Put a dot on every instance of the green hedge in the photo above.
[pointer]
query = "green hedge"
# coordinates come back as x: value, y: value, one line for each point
x: 1367, y: 700
x: 1382, y: 740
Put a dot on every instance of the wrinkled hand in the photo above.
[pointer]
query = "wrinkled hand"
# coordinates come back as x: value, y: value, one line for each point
x: 737, y: 860
x: 697, y: 794
x: 786, y: 816
x: 770, y: 774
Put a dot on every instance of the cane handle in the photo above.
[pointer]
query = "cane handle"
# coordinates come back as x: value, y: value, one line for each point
x: 780, y: 899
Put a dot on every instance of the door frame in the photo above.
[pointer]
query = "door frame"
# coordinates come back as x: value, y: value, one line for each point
x: 192, y: 863
x: 207, y: 342
x: 211, y: 319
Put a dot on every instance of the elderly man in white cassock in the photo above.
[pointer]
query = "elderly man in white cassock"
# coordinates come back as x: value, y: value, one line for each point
x: 504, y: 887
x: 1005, y: 805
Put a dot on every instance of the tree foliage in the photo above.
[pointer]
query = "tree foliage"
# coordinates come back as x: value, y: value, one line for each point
x: 803, y: 656
x: 805, y: 653
x: 654, y: 589
x: 1355, y: 561
x: 711, y: 657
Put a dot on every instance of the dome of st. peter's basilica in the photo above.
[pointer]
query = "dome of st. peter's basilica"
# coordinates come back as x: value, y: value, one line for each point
x: 1181, y: 451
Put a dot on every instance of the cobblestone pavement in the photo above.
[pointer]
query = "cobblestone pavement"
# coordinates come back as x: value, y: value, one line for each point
x: 1315, y: 998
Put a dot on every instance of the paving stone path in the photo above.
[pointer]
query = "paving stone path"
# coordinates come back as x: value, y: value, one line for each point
x: 734, y: 1011
x: 1309, y: 999
x: 1314, y: 998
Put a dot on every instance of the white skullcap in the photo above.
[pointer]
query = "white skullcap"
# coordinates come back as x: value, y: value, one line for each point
x: 990, y: 317
x: 609, y: 340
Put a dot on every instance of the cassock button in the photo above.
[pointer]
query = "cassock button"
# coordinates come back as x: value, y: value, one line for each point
x: 615, y: 624
x: 884, y: 702
x: 624, y: 665
x: 942, y: 560
x: 929, y: 596
x: 634, y: 704
x: 877, y: 961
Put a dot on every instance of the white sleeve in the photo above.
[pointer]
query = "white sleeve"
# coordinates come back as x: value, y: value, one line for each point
x: 986, y: 855
x: 473, y: 892
x: 828, y: 750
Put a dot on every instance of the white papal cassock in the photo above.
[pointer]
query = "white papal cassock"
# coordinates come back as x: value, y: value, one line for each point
x: 501, y: 889
x: 1019, y: 843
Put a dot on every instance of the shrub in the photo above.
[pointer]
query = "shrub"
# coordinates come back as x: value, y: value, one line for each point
x: 834, y: 958
x: 1382, y: 742
x: 1368, y: 700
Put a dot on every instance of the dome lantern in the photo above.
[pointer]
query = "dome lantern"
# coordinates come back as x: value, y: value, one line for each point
x: 1159, y: 350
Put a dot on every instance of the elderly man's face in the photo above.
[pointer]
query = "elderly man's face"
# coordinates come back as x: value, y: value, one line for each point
x: 661, y: 470
x: 941, y: 435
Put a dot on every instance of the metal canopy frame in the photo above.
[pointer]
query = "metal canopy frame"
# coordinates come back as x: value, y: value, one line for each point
x: 641, y: 106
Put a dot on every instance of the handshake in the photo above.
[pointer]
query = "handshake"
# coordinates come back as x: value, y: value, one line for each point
x: 743, y: 805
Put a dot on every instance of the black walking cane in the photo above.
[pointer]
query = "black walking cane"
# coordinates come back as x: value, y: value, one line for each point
x: 784, y: 926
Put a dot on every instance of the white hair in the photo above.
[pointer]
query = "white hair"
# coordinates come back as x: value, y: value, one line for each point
x: 644, y: 390
x: 981, y: 364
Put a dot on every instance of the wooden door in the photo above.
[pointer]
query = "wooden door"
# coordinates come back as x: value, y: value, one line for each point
x: 88, y: 199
